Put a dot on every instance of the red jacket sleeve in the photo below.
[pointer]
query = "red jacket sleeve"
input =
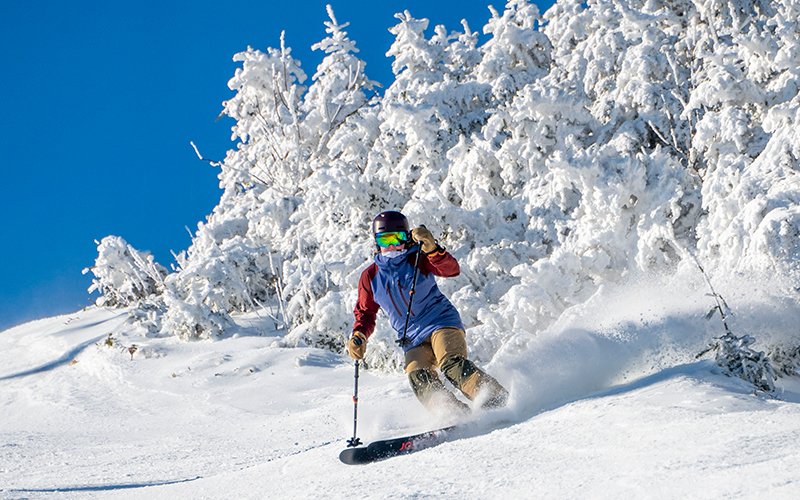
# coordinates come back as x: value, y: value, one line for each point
x: 440, y: 263
x: 366, y: 308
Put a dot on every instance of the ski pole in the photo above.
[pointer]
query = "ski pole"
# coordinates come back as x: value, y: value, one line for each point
x: 403, y: 342
x: 354, y: 441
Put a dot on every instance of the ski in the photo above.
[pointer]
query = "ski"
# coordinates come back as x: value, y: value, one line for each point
x: 387, y: 448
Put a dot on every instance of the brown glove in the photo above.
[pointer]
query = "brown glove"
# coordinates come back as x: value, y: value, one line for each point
x: 425, y: 238
x: 357, y: 345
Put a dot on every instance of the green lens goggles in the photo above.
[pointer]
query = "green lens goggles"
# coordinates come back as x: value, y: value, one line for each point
x: 393, y: 238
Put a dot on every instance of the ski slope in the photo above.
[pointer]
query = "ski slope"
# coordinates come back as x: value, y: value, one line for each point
x: 608, y: 403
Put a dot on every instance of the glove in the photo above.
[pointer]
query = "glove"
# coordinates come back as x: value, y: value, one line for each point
x: 425, y: 238
x: 357, y: 345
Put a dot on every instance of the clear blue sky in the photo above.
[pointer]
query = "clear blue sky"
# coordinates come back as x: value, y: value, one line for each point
x: 99, y: 102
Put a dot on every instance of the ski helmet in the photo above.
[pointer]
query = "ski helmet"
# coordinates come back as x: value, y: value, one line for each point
x: 389, y: 221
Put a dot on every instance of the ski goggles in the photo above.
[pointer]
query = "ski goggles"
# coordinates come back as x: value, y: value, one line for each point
x: 392, y: 238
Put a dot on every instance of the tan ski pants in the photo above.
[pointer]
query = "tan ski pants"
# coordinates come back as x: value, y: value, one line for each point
x: 446, y: 349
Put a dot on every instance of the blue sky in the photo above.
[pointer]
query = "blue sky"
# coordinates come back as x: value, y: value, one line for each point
x: 100, y: 100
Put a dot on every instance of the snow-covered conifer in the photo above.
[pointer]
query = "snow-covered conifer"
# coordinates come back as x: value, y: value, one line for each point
x: 517, y: 53
x: 573, y: 149
x: 266, y: 108
x: 746, y: 98
x: 124, y: 275
x: 282, y: 230
x: 429, y: 105
x: 737, y: 359
x: 339, y: 85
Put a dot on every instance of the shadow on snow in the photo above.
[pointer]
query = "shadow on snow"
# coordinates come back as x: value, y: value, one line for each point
x: 108, y: 487
x: 63, y: 360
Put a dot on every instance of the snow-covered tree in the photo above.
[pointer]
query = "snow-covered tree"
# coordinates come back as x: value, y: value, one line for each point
x: 575, y: 148
x: 124, y: 275
x: 736, y: 358
x: 517, y: 52
x: 433, y: 101
x: 338, y: 91
x: 264, y: 241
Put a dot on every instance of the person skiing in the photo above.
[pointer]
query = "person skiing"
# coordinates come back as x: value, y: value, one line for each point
x: 435, y: 336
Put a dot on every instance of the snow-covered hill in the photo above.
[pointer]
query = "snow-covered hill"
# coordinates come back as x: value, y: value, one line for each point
x: 582, y: 165
x: 607, y: 403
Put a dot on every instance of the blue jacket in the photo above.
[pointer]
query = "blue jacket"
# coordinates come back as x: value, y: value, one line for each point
x: 387, y: 284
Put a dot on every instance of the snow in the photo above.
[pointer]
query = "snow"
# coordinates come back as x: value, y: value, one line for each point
x: 595, y: 170
x: 608, y: 402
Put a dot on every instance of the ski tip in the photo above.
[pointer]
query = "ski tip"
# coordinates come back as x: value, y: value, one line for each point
x: 355, y: 456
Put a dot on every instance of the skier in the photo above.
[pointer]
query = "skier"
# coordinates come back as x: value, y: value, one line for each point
x: 435, y: 337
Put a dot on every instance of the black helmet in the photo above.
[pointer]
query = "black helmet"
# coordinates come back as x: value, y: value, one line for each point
x: 389, y: 221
